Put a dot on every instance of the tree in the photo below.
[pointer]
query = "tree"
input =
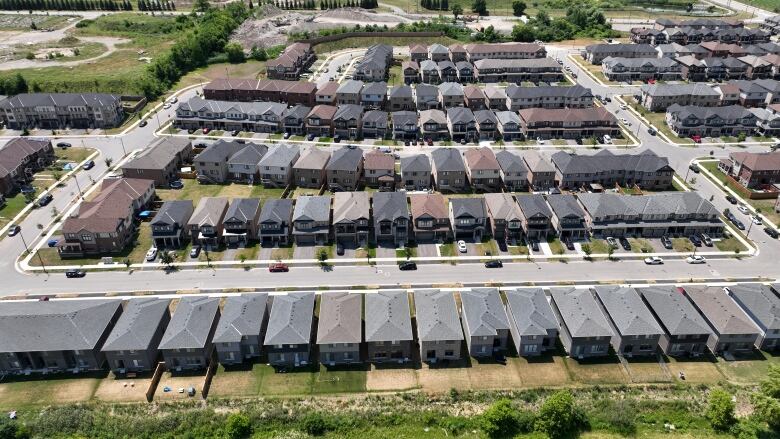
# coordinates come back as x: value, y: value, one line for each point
x: 518, y: 8
x: 479, y: 7
x: 610, y: 251
x: 235, y: 53
x: 457, y: 10
x: 499, y: 419
x: 201, y: 6
x: 167, y: 258
x: 30, y: 196
x: 237, y: 426
x: 587, y: 250
x: 108, y: 161
x: 314, y: 424
x: 259, y: 53
x: 559, y: 417
x: 720, y: 410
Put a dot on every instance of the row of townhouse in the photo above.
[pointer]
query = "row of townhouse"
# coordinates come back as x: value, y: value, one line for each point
x: 731, y: 120
x: 475, y: 52
x: 714, y: 49
x: 484, y: 70
x: 20, y: 159
x: 269, y: 90
x: 56, y: 111
x: 753, y: 169
x: 690, y: 68
x: 358, y: 219
x: 133, y: 336
x: 691, y: 35
x: 291, y: 63
x: 563, y: 114
x: 698, y: 23
x: 771, y: 24
x: 758, y: 93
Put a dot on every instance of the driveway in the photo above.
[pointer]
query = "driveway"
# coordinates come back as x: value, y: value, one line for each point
x: 384, y: 251
x: 265, y: 253
x: 304, y: 252
x: 427, y: 250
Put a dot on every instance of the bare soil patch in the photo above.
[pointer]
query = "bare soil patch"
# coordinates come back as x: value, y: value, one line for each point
x: 123, y: 389
x: 382, y: 379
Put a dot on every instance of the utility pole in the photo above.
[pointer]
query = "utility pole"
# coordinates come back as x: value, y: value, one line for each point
x: 122, y: 141
x: 81, y: 194
x: 27, y: 250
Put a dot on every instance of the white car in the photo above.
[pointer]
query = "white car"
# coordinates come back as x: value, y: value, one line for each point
x: 607, y: 138
x: 654, y: 260
x: 695, y: 259
x: 539, y: 141
x: 173, y: 100
x: 757, y: 220
x: 166, y: 106
x: 623, y: 107
x: 612, y: 242
x: 624, y: 120
x: 742, y: 208
x: 462, y: 246
x: 151, y: 255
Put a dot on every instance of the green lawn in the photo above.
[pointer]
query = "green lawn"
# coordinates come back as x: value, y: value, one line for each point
x: 283, y: 253
x: 765, y: 207
x: 488, y: 246
x: 135, y: 252
x: 556, y: 246
x: 658, y: 120
x: 74, y: 154
x: 518, y: 250
x: 682, y: 245
x: 640, y: 245
x: 194, y: 191
x: 599, y: 246
x: 263, y: 380
x: 730, y: 244
x: 410, y: 252
x: 447, y: 249
x: 12, y: 207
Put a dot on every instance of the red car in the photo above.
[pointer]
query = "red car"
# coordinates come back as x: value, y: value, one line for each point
x: 430, y: 142
x: 696, y: 139
x: 278, y: 267
x: 206, y: 130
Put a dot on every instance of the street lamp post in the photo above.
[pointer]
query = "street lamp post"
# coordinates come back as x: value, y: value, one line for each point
x: 122, y: 141
x: 81, y: 194
x: 27, y: 250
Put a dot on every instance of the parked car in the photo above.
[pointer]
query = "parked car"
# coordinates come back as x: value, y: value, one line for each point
x: 654, y: 260
x: 731, y: 199
x: 340, y: 249
x: 625, y: 244
x: 757, y: 220
x: 705, y: 238
x: 535, y: 245
x: 694, y: 167
x: 696, y: 139
x: 429, y: 142
x: 173, y: 100
x: 771, y: 232
x: 74, y: 273
x: 166, y: 106
x: 407, y: 266
x: 44, y: 200
x: 666, y: 242
x: 206, y: 130
x: 27, y: 189
x: 695, y: 240
x: 495, y: 263
x: 612, y: 242
x: 176, y: 184
x: 14, y: 230
x: 742, y: 208
x: 89, y: 165
x: 235, y: 133
x: 286, y: 135
x: 652, y: 131
x: 151, y: 255
x: 310, y: 137
x: 278, y: 268
x: 52, y: 243
x: 739, y: 224
x: 195, y: 251
x: 63, y: 145
x: 142, y: 123
x: 337, y: 138
x: 569, y: 243
x: 462, y: 246
x: 191, y: 130
x: 695, y: 259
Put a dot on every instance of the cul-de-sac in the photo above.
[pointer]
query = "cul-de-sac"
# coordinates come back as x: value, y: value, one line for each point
x: 294, y: 219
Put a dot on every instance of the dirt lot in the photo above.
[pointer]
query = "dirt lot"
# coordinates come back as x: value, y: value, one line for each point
x: 123, y: 389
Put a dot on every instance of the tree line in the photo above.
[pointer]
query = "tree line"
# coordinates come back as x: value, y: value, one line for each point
x: 65, y: 5
x: 580, y: 22
x: 438, y: 5
x: 156, y: 5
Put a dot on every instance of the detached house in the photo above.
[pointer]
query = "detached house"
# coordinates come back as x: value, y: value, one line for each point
x: 401, y: 99
x: 430, y: 218
x: 391, y: 218
x: 294, y: 119
x: 309, y: 169
x: 132, y: 344
x: 514, y: 172
x: 160, y: 161
x: 206, y: 223
x: 405, y: 125
x: 320, y: 120
x: 461, y: 124
x: 375, y: 124
x: 537, y: 217
x: 379, y: 170
x: 438, y: 326
x: 426, y: 96
x: 541, y: 174
x: 349, y: 92
x: 311, y: 220
x: 416, y: 172
x: 532, y: 322
x: 487, y: 124
x: 482, y: 169
x: 351, y: 216
x: 733, y: 331
x: 429, y: 72
x: 484, y: 321
x: 344, y: 169
x: 212, y: 164
x: 434, y: 125
x: 240, y: 223
x: 506, y: 220
x: 243, y: 165
x: 239, y: 334
x: 469, y: 218
x: 276, y: 167
x: 169, y: 226
x: 636, y: 330
x: 340, y: 328
x: 585, y: 331
x: 348, y: 121
x: 288, y: 334
x: 451, y: 95
x: 449, y: 170
x: 373, y: 95
x: 275, y: 222
x: 388, y: 326
x: 685, y: 331
x: 187, y: 342
x: 411, y: 72
x: 474, y: 97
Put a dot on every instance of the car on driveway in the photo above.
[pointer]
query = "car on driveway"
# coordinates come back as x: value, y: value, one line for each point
x: 535, y: 245
x: 695, y: 259
x: 52, y: 243
x: 278, y: 268
x: 195, y: 251
x: 695, y: 240
x: 340, y: 249
x: 151, y: 255
x: 705, y: 238
x: 14, y: 230
x: 462, y: 246
x: 495, y: 263
x: 206, y: 130
x: 310, y: 137
x: 407, y: 266
x: 771, y: 232
x: 654, y: 260
x: 625, y: 244
x: 235, y: 133
x: 612, y: 242
x: 742, y: 208
x: 73, y: 273
x: 44, y: 200
x: 666, y: 242
x: 731, y: 199
x: 176, y: 184
x: 569, y: 243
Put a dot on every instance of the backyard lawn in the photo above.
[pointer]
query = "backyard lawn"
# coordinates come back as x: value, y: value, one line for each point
x: 195, y: 191
x: 263, y: 380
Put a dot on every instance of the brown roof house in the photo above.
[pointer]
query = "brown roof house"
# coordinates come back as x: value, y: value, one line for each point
x: 482, y: 169
x: 106, y: 224
x: 506, y: 220
x: 340, y: 328
x: 320, y: 120
x: 430, y: 218
x: 379, y: 170
x: 755, y: 169
x: 309, y: 170
x: 733, y: 331
x: 19, y: 159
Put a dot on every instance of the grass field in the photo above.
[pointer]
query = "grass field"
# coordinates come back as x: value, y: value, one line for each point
x: 263, y: 380
x: 195, y: 191
x: 358, y: 42
x: 19, y: 22
x: 768, y: 5
x: 13, y: 206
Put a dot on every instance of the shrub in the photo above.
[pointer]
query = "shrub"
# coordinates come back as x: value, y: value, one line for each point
x: 720, y: 410
x: 559, y: 417
x: 314, y: 424
x: 499, y: 419
x: 237, y: 426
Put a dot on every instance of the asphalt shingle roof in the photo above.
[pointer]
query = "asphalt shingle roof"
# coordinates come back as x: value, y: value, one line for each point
x: 290, y: 319
x: 759, y: 300
x: 448, y: 159
x: 388, y: 317
x: 242, y: 315
x: 531, y: 311
x: 483, y: 312
x: 190, y: 326
x: 280, y: 156
x: 720, y: 310
x: 137, y: 325
x: 437, y: 316
x: 340, y: 318
x: 581, y: 313
x: 627, y: 311
x: 313, y: 208
x: 674, y: 311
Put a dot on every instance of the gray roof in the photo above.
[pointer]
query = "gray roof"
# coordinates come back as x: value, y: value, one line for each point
x: 312, y: 157
x: 607, y: 161
x: 580, y: 313
x: 511, y: 161
x: 533, y: 205
x: 250, y: 155
x: 137, y: 326
x: 61, y: 100
x: 565, y: 205
x: 760, y: 302
x: 446, y: 64
x: 401, y: 118
x: 483, y: 116
x: 173, y: 212
x: 697, y: 89
x: 427, y: 64
x: 627, y: 311
x: 400, y: 91
x: 621, y: 47
x: 502, y: 205
x: 461, y: 65
x: 340, y: 318
x: 348, y: 112
x: 219, y: 151
x: 387, y: 316
x: 350, y: 206
x: 436, y: 315
x: 276, y: 210
x: 159, y: 154
x: 197, y: 104
x: 450, y: 89
x: 345, y: 159
x: 243, y: 209
x: 416, y: 163
x: 483, y: 311
x: 448, y: 159
x: 460, y: 115
x: 190, y: 326
x: 297, y: 112
x: 290, y: 319
x: 531, y: 311
x: 704, y: 113
x: 474, y: 207
x: 375, y: 88
x: 351, y: 86
x: 514, y: 91
x: 720, y: 310
x: 438, y: 48
x: 280, y: 156
x: 313, y: 208
x: 242, y: 315
x: 57, y: 325
x: 679, y: 203
x: 505, y: 117
x: 390, y: 206
x: 378, y: 117
x: 674, y: 311
x: 209, y: 211
x: 433, y: 115
x: 426, y: 91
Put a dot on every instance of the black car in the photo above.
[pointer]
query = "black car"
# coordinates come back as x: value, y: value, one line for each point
x: 740, y: 225
x: 176, y: 184
x: 771, y: 232
x: 626, y: 245
x: 694, y: 167
x: 142, y: 123
x: 44, y: 200
x: 607, y: 99
x: 63, y: 145
x: 340, y: 249
x: 652, y: 131
x: 569, y: 243
x: 337, y: 138
x: 75, y: 273
x: 695, y: 240
x: 235, y: 133
x: 191, y: 130
x: 731, y: 199
x: 310, y: 137
x: 535, y: 245
x: 495, y: 263
x: 89, y: 165
x: 407, y: 266
x: 195, y: 251
x: 27, y: 189
x: 666, y: 242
